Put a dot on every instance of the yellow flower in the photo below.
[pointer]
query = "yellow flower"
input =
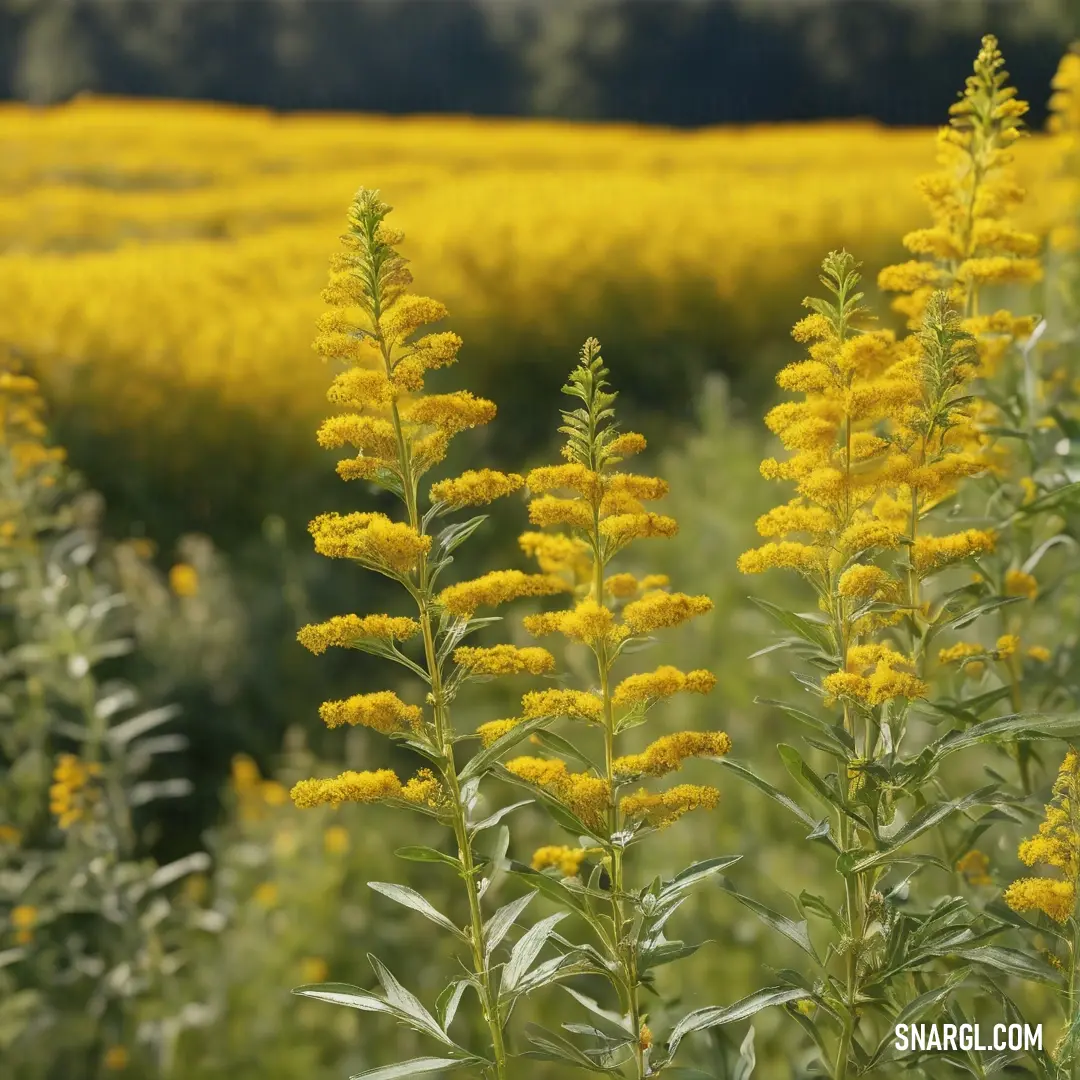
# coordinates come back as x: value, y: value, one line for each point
x: 962, y: 650
x: 568, y: 860
x: 273, y: 793
x: 10, y: 835
x: 588, y: 622
x: 245, y: 773
x: 875, y: 674
x: 971, y: 242
x: 349, y: 786
x: 451, y: 413
x: 313, y: 969
x: 1039, y: 653
x: 424, y: 789
x: 1056, y: 844
x: 1021, y: 583
x: 116, y: 1059
x: 975, y: 867
x: 1006, y: 646
x: 346, y: 630
x: 666, y: 807
x: 336, y: 840
x: 620, y: 529
x: 371, y: 538
x: 72, y: 791
x: 557, y: 553
x: 660, y: 610
x: 495, y: 588
x: 475, y: 488
x: 1054, y: 898
x: 494, y: 730
x: 266, y: 894
x: 184, y: 580
x: 863, y: 580
x: 621, y: 585
x: 588, y: 796
x: 382, y: 711
x: 932, y: 552
x: 667, y: 753
x: 504, y: 660
x: 575, y: 703
x: 24, y: 918
x: 663, y: 682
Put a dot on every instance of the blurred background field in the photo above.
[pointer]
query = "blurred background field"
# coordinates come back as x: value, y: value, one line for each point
x: 160, y: 270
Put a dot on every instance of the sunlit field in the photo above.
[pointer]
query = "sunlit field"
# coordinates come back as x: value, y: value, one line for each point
x: 774, y: 652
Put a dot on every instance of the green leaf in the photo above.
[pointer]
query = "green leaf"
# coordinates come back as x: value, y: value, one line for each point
x: 418, y: 1067
x: 1026, y: 726
x: 1051, y: 499
x: 620, y: 1022
x: 553, y: 1047
x: 495, y: 818
x: 344, y: 994
x: 498, y: 926
x: 1012, y: 962
x: 694, y: 873
x: 920, y: 822
x: 453, y: 536
x: 658, y: 950
x: 823, y: 727
x: 813, y: 632
x: 421, y: 853
x: 552, y: 889
x: 566, y: 749
x: 527, y: 949
x: 446, y: 1006
x: 406, y: 1003
x: 805, y: 776
x: 816, y: 905
x: 715, y: 1015
x: 918, y: 1007
x: 774, y: 793
x: 966, y: 618
x: 793, y: 931
x: 410, y: 898
x: 481, y: 762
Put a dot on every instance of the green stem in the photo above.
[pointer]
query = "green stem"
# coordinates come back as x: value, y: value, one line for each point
x: 624, y: 948
x: 445, y: 743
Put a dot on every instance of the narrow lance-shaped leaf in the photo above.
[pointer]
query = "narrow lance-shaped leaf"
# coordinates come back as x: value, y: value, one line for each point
x: 418, y: 1067
x: 793, y: 931
x: 410, y: 898
x: 499, y: 924
x: 714, y: 1016
x: 527, y: 949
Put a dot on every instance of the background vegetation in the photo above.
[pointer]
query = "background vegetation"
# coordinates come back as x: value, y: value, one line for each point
x: 160, y: 268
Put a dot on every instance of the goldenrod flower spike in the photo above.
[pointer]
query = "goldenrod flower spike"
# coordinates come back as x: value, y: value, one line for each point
x: 1057, y: 845
x: 398, y: 432
x: 599, y: 511
x: 971, y: 243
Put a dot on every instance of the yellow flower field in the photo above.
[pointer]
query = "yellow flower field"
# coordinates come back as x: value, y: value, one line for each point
x: 161, y: 263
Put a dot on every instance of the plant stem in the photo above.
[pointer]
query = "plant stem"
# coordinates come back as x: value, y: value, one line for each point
x: 445, y: 743
x: 625, y: 949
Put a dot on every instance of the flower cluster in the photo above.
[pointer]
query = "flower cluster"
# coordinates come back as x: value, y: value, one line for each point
x: 73, y: 790
x: 972, y: 242
x: 1057, y: 844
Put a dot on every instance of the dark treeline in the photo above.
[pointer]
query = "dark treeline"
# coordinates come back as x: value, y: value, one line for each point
x: 676, y: 62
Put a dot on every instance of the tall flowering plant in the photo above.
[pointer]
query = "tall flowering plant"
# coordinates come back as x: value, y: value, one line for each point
x: 400, y: 433
x: 888, y: 450
x: 878, y: 447
x: 589, y: 512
